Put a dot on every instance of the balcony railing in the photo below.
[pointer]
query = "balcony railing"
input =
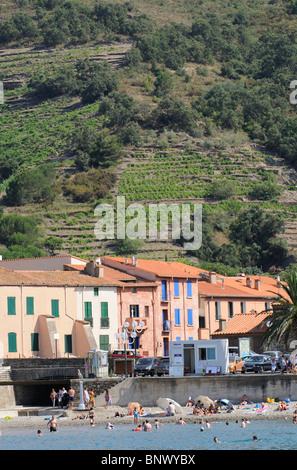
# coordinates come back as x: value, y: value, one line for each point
x: 104, y: 322
x: 167, y: 325
x: 90, y: 320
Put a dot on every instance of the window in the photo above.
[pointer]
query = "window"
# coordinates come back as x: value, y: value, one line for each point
x: 146, y: 311
x: 207, y: 354
x: 176, y: 288
x: 88, y: 310
x: 218, y: 310
x: 34, y: 342
x: 68, y: 343
x: 267, y: 306
x: 243, y: 307
x: 96, y: 291
x: 134, y: 311
x: 164, y: 290
x: 202, y: 322
x: 104, y: 342
x: 11, y: 306
x: 104, y: 315
x: 133, y: 290
x: 190, y: 317
x: 230, y: 309
x: 30, y: 305
x: 55, y: 307
x: 12, y: 342
x: 189, y: 288
x: 177, y: 316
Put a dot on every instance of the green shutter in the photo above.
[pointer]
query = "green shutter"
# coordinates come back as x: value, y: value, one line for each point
x: 96, y: 291
x: 30, y: 305
x: 34, y: 342
x: 11, y: 305
x: 104, y: 342
x: 55, y: 307
x: 104, y: 309
x: 88, y: 310
x: 12, y: 342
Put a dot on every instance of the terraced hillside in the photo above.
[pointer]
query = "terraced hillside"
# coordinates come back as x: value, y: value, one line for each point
x: 198, y: 153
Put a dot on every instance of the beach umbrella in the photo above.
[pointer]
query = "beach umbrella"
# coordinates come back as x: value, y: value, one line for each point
x: 164, y: 402
x: 131, y: 407
x: 205, y: 401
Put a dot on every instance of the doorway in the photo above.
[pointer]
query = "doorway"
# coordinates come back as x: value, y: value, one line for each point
x: 189, y: 359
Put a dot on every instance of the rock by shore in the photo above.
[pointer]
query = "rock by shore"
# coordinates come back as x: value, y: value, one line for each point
x: 103, y: 416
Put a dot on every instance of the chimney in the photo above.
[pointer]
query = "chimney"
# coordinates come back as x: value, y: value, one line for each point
x: 248, y: 282
x: 94, y: 269
x: 99, y: 271
x: 257, y: 284
x: 213, y: 277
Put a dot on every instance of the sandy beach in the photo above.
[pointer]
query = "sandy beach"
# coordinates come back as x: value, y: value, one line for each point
x: 103, y: 416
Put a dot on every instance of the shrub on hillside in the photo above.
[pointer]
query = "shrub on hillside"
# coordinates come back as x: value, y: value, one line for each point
x: 30, y: 186
x: 90, y: 185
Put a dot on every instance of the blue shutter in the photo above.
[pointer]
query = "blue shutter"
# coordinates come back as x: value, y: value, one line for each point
x: 190, y: 316
x: 177, y: 316
x: 189, y: 288
x: 164, y: 293
x: 176, y: 288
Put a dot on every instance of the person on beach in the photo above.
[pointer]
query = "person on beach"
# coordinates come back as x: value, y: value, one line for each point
x: 109, y: 426
x: 147, y: 426
x: 190, y: 402
x: 39, y: 433
x: 53, y: 424
x: 135, y: 414
x: 181, y: 421
x: 53, y: 397
x: 91, y: 417
x: 107, y: 398
x: 92, y: 398
x: 139, y: 428
x: 171, y: 409
x: 157, y: 424
x: 216, y: 440
x: 71, y: 394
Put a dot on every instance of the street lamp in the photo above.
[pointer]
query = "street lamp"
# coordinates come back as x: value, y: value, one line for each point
x: 132, y: 333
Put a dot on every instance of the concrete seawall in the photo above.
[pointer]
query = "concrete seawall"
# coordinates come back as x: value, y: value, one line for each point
x: 146, y: 390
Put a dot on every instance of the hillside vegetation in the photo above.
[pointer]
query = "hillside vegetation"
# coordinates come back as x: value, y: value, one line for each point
x: 158, y: 102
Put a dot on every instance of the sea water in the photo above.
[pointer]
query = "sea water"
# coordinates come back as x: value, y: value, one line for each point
x: 272, y: 435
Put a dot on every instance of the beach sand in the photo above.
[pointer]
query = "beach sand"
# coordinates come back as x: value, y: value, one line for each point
x: 103, y: 416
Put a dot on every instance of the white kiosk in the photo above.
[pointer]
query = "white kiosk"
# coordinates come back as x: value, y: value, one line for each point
x: 96, y: 363
x: 199, y: 357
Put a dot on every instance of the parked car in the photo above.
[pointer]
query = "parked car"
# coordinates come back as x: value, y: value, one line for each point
x: 146, y: 365
x: 256, y: 363
x: 235, y: 364
x: 121, y: 353
x: 162, y: 366
x: 274, y: 354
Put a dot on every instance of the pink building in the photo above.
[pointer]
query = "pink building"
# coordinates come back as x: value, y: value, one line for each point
x: 164, y: 296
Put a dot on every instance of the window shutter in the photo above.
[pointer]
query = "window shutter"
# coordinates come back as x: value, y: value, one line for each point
x: 30, y: 305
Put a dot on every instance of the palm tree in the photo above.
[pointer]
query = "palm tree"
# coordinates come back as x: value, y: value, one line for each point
x: 283, y: 320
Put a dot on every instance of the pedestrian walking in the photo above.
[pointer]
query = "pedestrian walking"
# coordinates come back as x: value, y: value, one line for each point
x: 53, y: 397
x: 71, y: 394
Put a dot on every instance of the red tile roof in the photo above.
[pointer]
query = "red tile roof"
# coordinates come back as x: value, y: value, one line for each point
x: 244, y: 323
x: 162, y: 268
x: 50, y: 278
